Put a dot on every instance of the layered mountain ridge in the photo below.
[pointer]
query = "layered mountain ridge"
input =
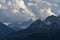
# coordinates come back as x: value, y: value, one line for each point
x: 41, y: 29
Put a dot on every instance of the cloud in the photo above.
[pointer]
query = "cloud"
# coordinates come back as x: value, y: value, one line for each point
x: 57, y: 0
x: 53, y: 1
x: 0, y: 5
x: 41, y: 9
x: 17, y: 10
x: 57, y: 8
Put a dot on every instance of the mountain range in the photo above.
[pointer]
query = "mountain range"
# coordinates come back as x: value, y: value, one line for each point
x: 15, y: 20
x: 47, y: 29
x: 20, y: 26
x: 4, y: 30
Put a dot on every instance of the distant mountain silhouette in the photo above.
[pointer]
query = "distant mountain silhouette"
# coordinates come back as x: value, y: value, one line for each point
x: 38, y: 26
x: 20, y: 26
x: 53, y: 22
x: 4, y: 30
x: 50, y: 19
x: 35, y: 27
x: 59, y: 19
x: 40, y: 30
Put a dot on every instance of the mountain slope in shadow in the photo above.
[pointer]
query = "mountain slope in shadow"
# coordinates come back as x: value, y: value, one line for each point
x: 4, y: 30
x: 48, y: 29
